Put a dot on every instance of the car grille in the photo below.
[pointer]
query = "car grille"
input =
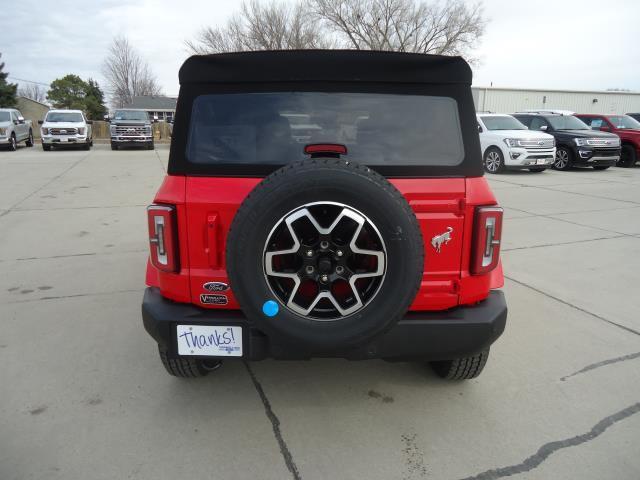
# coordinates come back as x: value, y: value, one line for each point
x: 63, y: 131
x: 132, y: 130
x: 603, y: 142
x: 538, y: 143
x: 606, y: 152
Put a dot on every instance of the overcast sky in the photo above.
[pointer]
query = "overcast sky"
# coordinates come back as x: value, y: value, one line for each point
x: 567, y: 44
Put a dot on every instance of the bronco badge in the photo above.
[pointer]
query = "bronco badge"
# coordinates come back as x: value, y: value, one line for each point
x: 442, y: 239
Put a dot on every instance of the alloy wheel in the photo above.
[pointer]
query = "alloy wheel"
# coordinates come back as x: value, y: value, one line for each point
x: 562, y: 159
x: 324, y: 260
x: 493, y: 161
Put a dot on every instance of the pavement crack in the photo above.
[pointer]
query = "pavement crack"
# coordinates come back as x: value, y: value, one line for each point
x: 546, y: 450
x: 569, y: 304
x: 562, y: 243
x: 275, y: 423
x: 603, y: 363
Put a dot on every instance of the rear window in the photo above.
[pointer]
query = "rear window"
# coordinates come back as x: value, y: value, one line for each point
x: 273, y: 128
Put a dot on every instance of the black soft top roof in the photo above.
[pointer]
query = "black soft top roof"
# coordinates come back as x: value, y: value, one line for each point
x: 324, y: 65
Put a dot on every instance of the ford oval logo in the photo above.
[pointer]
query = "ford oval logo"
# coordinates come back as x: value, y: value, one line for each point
x: 215, y: 287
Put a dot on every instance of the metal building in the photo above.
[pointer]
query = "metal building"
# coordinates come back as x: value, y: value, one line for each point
x: 510, y: 100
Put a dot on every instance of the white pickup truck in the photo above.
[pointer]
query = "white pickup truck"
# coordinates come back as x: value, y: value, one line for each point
x: 14, y: 129
x: 66, y: 127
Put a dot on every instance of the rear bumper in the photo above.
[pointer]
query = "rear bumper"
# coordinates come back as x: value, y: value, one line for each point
x: 454, y: 333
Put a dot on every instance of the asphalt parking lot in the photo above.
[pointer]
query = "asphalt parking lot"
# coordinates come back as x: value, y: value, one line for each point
x: 84, y: 395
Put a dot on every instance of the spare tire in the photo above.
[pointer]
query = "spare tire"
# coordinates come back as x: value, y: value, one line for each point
x: 324, y: 255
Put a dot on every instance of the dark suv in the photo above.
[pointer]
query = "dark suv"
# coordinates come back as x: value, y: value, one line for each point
x: 311, y: 208
x: 577, y: 145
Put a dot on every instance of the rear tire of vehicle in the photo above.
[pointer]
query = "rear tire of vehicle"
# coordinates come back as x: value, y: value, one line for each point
x: 346, y: 185
x: 46, y: 147
x: 564, y: 159
x: 601, y: 167
x: 187, y: 367
x: 114, y: 146
x: 461, y: 368
x: 13, y: 144
x: 493, y: 160
x: 29, y: 141
x: 537, y: 170
x: 628, y: 157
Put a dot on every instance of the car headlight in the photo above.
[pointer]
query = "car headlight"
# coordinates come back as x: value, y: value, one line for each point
x: 3, y: 131
x: 581, y: 142
x: 512, y: 142
x: 81, y: 131
x: 112, y: 129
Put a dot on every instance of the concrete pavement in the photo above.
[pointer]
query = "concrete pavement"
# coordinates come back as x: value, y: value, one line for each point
x: 84, y: 395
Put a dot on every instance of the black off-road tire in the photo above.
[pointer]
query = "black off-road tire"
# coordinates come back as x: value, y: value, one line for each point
x: 325, y: 180
x: 601, y: 167
x: 537, y: 170
x: 29, y: 142
x: 151, y: 146
x: 114, y: 146
x: 628, y: 157
x: 461, y: 368
x: 86, y: 146
x: 13, y: 144
x: 46, y: 147
x: 185, y: 367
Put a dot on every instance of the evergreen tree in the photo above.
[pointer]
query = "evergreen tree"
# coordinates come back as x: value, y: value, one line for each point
x: 94, y: 101
x: 7, y: 90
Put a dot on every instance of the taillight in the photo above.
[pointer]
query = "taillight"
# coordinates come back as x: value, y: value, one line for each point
x: 163, y: 237
x: 487, y: 234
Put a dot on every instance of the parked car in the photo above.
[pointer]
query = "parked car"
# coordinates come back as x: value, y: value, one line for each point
x: 377, y: 238
x: 625, y: 126
x: 576, y: 143
x: 507, y: 143
x: 64, y: 128
x: 14, y: 129
x: 131, y: 127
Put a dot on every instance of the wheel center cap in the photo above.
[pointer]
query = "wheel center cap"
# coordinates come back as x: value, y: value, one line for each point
x: 325, y: 265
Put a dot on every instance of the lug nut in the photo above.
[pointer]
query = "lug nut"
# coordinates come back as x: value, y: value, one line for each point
x: 339, y: 253
x: 324, y: 278
x: 339, y: 269
x: 309, y: 269
x: 324, y: 245
x: 309, y: 253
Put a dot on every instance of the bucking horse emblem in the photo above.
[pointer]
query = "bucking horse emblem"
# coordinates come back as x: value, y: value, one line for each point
x: 441, y: 239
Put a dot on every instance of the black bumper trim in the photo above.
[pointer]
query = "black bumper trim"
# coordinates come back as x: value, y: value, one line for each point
x: 443, y: 335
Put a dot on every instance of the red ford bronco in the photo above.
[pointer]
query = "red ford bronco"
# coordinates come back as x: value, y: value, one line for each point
x: 325, y: 204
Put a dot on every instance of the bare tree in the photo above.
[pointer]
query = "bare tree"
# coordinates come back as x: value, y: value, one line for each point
x: 274, y: 26
x: 127, y: 73
x: 33, y: 91
x: 452, y: 28
x: 403, y: 25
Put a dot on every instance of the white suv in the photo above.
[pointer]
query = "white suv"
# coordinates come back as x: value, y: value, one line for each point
x: 507, y: 143
x: 66, y: 127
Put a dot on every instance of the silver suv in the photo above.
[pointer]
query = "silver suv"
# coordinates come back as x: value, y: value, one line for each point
x: 66, y: 127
